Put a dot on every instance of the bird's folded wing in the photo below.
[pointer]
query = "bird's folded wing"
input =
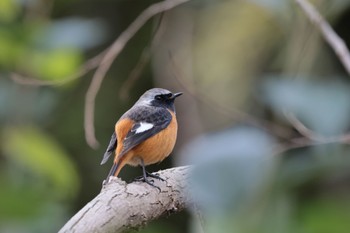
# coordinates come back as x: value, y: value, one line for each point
x: 145, y: 128
x: 110, y: 149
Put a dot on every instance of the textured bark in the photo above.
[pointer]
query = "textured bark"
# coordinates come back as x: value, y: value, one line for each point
x: 121, y: 207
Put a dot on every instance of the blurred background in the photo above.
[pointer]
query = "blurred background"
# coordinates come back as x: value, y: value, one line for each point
x: 243, y: 66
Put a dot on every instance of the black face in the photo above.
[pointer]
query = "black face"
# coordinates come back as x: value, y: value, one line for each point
x: 165, y: 100
x: 164, y: 97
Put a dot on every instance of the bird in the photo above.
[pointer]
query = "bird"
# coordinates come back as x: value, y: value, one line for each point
x: 145, y: 134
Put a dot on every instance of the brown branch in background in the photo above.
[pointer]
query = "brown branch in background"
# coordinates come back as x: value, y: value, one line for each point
x: 311, y: 137
x: 303, y: 142
x: 327, y: 32
x: 145, y: 57
x: 308, y: 138
x: 235, y: 114
x: 108, y: 59
x: 302, y: 129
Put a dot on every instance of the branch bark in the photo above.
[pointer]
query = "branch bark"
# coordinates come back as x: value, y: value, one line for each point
x: 122, y: 207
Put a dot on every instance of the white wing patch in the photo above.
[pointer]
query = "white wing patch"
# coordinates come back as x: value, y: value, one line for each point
x: 143, y: 127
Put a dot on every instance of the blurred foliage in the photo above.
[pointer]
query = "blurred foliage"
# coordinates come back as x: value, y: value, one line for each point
x: 237, y: 172
x: 241, y: 188
x: 244, y: 189
x: 259, y: 56
x: 38, y: 178
x: 35, y: 151
x: 326, y: 215
x: 44, y: 49
x: 8, y: 10
x: 312, y: 103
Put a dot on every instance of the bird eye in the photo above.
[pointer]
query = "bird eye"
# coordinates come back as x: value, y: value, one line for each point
x: 158, y: 97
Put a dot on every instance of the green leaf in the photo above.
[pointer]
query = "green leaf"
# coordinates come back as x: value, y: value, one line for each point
x: 8, y: 10
x: 36, y: 152
x: 54, y: 64
x: 326, y: 215
x: 18, y: 202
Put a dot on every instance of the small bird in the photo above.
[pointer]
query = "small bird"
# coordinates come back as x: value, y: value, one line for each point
x: 145, y: 134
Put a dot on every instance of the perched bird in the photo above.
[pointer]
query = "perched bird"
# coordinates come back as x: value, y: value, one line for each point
x: 145, y: 134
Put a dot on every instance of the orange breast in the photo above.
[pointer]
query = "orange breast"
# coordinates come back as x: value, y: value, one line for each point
x: 153, y: 150
x: 157, y: 147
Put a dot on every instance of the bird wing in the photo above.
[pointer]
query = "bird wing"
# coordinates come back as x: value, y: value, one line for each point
x: 146, y: 125
x: 110, y: 149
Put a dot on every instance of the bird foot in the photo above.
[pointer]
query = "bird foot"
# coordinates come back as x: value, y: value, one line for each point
x: 155, y: 175
x: 147, y: 181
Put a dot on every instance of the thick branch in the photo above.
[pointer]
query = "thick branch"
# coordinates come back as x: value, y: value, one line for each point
x: 121, y: 206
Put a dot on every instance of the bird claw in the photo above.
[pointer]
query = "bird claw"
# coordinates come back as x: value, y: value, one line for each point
x: 147, y: 181
x: 155, y: 175
x: 143, y: 179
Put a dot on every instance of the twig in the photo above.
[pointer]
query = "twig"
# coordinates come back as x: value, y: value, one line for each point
x: 328, y: 33
x: 121, y: 207
x: 302, y: 129
x: 303, y: 142
x: 108, y: 59
x: 309, y: 137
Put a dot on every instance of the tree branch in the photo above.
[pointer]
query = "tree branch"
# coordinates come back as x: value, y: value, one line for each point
x: 337, y: 44
x: 302, y: 129
x: 308, y: 138
x: 121, y: 207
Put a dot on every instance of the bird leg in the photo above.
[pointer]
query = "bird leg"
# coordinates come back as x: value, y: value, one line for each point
x: 146, y: 174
